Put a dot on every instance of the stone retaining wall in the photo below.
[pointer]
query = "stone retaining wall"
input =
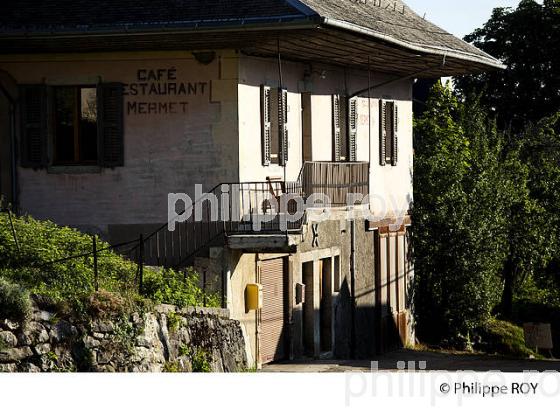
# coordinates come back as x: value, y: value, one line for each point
x: 164, y: 339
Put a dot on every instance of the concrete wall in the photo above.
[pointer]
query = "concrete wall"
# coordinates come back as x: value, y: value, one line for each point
x: 5, y: 147
x: 373, y: 324
x: 8, y: 94
x: 164, y: 152
x: 335, y: 236
x: 241, y: 270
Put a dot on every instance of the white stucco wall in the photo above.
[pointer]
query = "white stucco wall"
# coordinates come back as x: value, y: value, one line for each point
x: 164, y: 152
x: 217, y: 138
x: 391, y: 187
x: 254, y: 72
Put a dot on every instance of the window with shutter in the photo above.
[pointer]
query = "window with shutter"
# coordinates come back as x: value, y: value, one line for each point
x: 388, y: 138
x: 34, y: 126
x: 389, y: 132
x: 395, y: 145
x: 382, y: 132
x: 283, y: 125
x: 337, y: 131
x: 352, y: 128
x: 274, y: 125
x: 110, y: 124
x: 266, y: 132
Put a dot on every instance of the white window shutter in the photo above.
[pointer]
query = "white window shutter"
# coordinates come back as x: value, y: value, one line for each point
x: 352, y: 127
x: 382, y: 132
x: 394, y: 139
x: 266, y: 124
x: 283, y: 125
x: 336, y: 126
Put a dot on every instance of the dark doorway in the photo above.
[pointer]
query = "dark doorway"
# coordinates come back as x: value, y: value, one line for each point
x: 326, y: 334
x: 308, y: 311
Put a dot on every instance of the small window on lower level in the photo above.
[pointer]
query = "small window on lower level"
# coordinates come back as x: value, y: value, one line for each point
x: 75, y: 125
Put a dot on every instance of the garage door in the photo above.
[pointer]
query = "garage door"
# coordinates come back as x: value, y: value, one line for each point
x: 273, y: 313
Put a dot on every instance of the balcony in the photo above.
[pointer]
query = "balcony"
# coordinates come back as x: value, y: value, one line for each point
x: 250, y: 214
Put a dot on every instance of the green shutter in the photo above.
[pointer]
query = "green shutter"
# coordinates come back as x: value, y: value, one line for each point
x: 33, y: 126
x: 110, y: 130
x: 266, y: 124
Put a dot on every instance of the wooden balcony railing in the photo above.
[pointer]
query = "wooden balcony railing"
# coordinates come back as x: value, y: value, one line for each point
x: 336, y: 180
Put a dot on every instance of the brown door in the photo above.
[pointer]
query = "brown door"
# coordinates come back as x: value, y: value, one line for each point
x: 273, y: 313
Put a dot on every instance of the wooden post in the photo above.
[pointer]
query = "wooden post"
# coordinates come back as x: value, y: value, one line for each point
x: 204, y: 287
x: 141, y: 264
x: 224, y: 288
x: 95, y: 270
x: 13, y: 230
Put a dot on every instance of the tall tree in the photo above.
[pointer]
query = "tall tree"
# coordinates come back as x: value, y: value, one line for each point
x: 527, y: 40
x: 459, y: 231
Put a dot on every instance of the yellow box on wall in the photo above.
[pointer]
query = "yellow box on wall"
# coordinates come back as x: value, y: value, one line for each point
x: 253, y: 296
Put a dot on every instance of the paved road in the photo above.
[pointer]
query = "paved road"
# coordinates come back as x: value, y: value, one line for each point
x: 433, y: 361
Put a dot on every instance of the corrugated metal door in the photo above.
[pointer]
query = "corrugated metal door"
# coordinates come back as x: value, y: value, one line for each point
x: 273, y: 313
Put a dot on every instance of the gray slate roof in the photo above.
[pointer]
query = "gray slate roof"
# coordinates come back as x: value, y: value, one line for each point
x: 390, y: 21
x: 394, y: 21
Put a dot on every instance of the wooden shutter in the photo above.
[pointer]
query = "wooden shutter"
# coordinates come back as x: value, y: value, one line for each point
x: 394, y: 136
x: 283, y: 125
x: 382, y: 132
x: 34, y: 126
x: 266, y: 124
x: 352, y: 127
x: 110, y: 132
x: 336, y: 126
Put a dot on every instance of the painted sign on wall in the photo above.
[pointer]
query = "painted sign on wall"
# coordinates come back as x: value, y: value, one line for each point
x: 160, y: 91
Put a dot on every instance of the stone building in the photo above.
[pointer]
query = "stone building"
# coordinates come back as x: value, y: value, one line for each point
x: 107, y: 107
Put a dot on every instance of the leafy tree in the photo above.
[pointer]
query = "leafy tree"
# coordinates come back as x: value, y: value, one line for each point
x: 459, y: 220
x: 526, y: 40
x: 536, y: 252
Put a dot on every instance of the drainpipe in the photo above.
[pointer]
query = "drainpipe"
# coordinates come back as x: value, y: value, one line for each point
x: 353, y: 288
x: 12, y: 148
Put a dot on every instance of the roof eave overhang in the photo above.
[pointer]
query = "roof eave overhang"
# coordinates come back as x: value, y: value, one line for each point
x: 470, y: 62
x: 419, y: 48
x: 198, y: 26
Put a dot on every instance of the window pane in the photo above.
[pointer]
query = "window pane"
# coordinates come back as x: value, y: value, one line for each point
x: 88, y: 124
x: 65, y: 103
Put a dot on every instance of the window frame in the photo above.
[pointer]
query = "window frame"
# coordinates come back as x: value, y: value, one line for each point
x: 388, y: 132
x: 77, y: 108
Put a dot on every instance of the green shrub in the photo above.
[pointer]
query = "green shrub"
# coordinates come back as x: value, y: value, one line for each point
x: 534, y: 304
x: 71, y: 282
x: 171, y: 367
x: 201, y: 362
x: 503, y: 338
x: 15, y: 304
x: 176, y: 288
x: 173, y: 321
x: 41, y: 243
